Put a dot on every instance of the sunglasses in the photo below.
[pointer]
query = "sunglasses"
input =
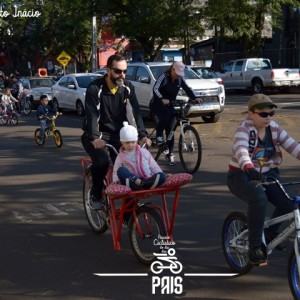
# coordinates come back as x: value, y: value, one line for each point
x: 118, y: 71
x: 265, y: 114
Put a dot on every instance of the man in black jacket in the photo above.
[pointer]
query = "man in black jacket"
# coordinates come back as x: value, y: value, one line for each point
x: 109, y: 101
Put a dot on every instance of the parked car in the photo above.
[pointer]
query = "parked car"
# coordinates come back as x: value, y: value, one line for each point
x: 37, y: 86
x: 69, y: 91
x: 143, y: 76
x: 209, y: 74
x: 101, y: 71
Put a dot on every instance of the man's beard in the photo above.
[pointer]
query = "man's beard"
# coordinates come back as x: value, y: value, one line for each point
x: 117, y: 81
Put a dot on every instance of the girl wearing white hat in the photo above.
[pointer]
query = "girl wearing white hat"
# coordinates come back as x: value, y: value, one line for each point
x: 135, y: 166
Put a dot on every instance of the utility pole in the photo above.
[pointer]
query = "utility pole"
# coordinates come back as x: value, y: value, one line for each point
x: 94, y: 40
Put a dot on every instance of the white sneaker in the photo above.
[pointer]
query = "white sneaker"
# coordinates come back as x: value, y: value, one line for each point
x: 159, y: 140
x: 171, y: 158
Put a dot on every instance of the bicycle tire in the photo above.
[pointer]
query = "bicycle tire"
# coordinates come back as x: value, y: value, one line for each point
x: 293, y: 276
x: 37, y: 137
x: 26, y: 107
x: 14, y: 120
x: 58, y: 140
x: 237, y: 259
x: 152, y: 227
x: 95, y: 218
x: 190, y: 153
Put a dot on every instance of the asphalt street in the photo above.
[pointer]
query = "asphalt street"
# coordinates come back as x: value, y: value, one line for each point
x: 47, y: 250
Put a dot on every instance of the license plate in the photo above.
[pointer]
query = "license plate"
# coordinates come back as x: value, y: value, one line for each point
x: 206, y: 106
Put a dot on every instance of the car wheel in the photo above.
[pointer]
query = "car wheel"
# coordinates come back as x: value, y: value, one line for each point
x: 211, y: 118
x: 55, y: 105
x: 79, y: 108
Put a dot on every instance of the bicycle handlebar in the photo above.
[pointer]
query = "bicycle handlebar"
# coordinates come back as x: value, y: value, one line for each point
x: 53, y: 117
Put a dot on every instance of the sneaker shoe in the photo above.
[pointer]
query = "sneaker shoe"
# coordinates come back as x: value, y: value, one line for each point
x: 171, y: 158
x: 159, y: 140
x: 41, y: 142
x: 270, y: 235
x: 151, y: 183
x: 95, y: 203
x: 258, y: 255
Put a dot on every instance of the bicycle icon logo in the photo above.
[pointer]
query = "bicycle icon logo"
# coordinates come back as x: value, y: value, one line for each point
x: 171, y: 261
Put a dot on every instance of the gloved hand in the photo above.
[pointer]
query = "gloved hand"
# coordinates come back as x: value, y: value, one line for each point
x: 254, y: 174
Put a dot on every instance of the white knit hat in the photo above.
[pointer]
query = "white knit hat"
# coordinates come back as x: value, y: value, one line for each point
x: 128, y: 133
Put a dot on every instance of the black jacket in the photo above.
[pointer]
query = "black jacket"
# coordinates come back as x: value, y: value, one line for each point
x: 109, y: 119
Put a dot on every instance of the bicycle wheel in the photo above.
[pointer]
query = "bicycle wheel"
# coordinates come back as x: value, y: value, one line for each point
x: 293, y: 275
x: 26, y: 106
x: 58, y: 140
x: 236, y: 254
x: 37, y: 137
x: 190, y: 149
x: 144, y: 230
x: 96, y: 218
x: 14, y: 119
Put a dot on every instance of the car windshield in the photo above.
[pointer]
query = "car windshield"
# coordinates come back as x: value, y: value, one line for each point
x: 158, y: 70
x: 41, y: 82
x: 84, y: 81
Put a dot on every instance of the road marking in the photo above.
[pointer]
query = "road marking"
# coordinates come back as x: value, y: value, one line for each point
x: 54, y: 210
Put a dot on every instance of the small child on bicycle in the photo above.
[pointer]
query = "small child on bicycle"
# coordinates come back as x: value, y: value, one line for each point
x: 7, y: 101
x: 134, y: 166
x: 42, y: 111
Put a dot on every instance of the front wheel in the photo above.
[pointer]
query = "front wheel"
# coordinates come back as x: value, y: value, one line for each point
x: 293, y: 276
x: 79, y: 108
x: 95, y: 218
x: 236, y: 249
x: 190, y: 149
x: 58, y: 140
x: 37, y: 137
x: 145, y: 233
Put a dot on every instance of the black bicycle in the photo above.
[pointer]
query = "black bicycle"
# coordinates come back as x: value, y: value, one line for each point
x: 189, y: 145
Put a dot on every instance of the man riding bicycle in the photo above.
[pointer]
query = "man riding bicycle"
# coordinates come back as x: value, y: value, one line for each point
x: 109, y: 101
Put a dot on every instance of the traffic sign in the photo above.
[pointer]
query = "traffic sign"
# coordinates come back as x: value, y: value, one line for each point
x: 63, y: 58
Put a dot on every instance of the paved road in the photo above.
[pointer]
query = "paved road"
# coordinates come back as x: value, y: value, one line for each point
x: 48, y: 252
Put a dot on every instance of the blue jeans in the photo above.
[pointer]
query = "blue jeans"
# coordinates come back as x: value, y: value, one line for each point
x: 124, y: 173
x: 43, y: 123
x: 257, y: 198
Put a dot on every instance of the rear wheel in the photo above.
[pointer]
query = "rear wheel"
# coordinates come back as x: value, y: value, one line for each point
x: 190, y: 149
x: 95, y: 218
x: 236, y: 251
x: 144, y: 231
x: 27, y: 106
x: 57, y: 138
x: 257, y: 86
x: 55, y: 105
x: 293, y: 276
x: 37, y: 137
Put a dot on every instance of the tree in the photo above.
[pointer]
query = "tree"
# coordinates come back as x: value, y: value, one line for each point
x: 244, y: 20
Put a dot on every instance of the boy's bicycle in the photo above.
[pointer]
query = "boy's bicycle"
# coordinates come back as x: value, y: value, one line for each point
x: 11, y: 117
x: 235, y: 238
x: 189, y: 144
x: 149, y: 224
x: 50, y: 130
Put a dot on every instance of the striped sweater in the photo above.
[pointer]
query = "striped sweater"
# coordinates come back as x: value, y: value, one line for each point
x: 246, y: 141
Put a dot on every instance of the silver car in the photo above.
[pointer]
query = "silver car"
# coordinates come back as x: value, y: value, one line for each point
x: 69, y: 91
x: 37, y: 86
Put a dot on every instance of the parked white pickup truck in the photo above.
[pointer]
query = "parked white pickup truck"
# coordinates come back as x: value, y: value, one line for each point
x: 257, y: 73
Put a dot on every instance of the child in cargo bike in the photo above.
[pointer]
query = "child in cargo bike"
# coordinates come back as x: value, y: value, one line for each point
x: 134, y: 166
x: 7, y: 102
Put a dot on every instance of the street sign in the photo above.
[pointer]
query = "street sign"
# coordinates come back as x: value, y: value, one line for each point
x: 63, y: 58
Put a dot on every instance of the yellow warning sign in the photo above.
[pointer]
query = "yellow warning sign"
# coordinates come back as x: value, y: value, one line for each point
x: 63, y: 58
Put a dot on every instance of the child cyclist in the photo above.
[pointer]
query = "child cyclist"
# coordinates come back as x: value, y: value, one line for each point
x: 44, y: 110
x: 7, y: 102
x: 134, y: 166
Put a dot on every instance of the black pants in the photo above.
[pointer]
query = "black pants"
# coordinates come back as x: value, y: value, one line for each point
x: 166, y: 115
x: 100, y: 161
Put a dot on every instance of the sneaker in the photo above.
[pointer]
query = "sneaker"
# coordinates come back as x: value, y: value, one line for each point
x: 271, y: 235
x: 151, y: 183
x: 171, y: 158
x: 159, y: 140
x: 95, y: 203
x: 41, y: 142
x: 258, y: 255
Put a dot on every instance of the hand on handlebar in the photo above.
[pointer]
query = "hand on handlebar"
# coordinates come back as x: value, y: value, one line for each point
x: 254, y: 174
x: 145, y: 142
x: 165, y: 101
x: 98, y: 143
